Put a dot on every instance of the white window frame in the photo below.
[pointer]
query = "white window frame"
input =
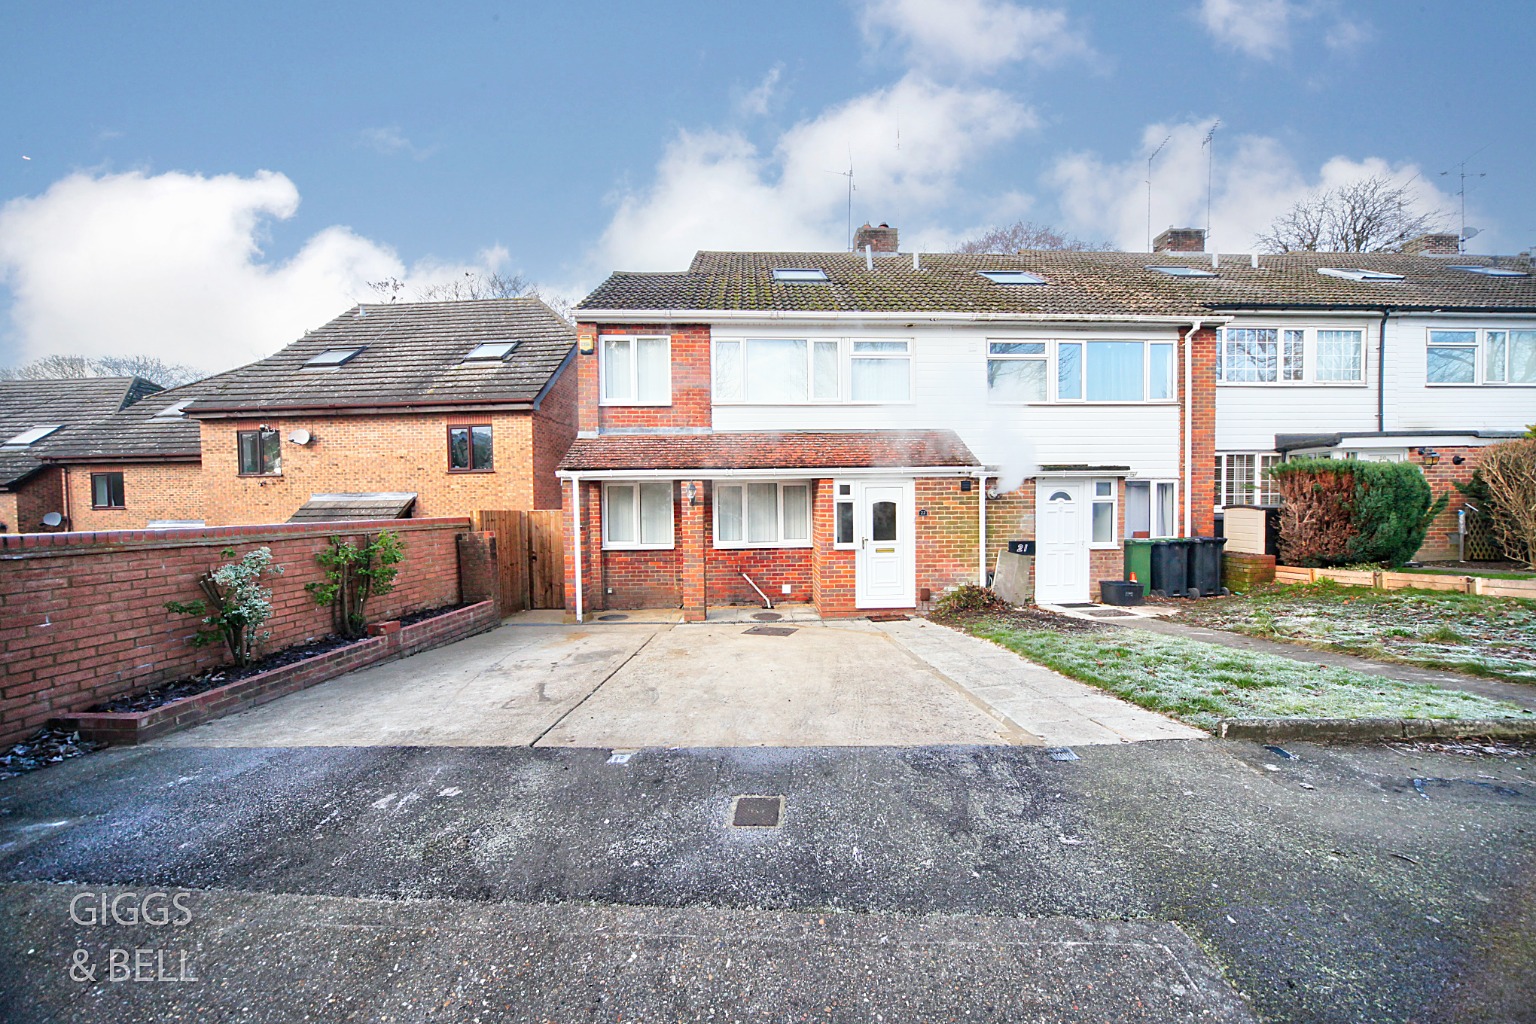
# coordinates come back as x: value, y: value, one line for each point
x: 638, y: 486
x: 1053, y: 373
x: 1479, y: 347
x: 781, y: 542
x: 1309, y: 359
x: 841, y: 497
x: 634, y: 370
x: 1044, y: 357
x: 810, y: 370
x: 1256, y: 483
x: 853, y: 356
x: 1152, y: 507
x: 1113, y: 501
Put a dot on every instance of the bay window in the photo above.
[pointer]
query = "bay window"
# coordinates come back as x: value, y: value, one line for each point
x: 636, y: 370
x: 763, y: 513
x: 1507, y: 357
x: 637, y: 515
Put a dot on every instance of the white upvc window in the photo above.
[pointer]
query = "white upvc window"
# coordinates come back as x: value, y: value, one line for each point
x: 637, y: 515
x: 1114, y: 371
x: 1016, y: 371
x: 1472, y: 356
x: 1151, y: 508
x: 1242, y: 478
x: 880, y: 370
x: 1102, y: 518
x: 636, y: 369
x: 842, y: 536
x: 1291, y: 355
x: 777, y: 371
x: 763, y: 514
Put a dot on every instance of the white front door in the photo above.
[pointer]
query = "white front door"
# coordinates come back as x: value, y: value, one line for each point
x: 1061, y: 541
x: 885, y: 567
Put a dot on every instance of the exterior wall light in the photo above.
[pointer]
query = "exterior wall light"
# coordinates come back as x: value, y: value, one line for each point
x: 1430, y: 456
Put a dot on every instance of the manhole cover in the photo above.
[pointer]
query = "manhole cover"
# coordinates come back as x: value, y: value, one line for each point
x: 1109, y: 613
x: 768, y: 631
x: 767, y: 616
x: 1061, y: 753
x: 611, y: 618
x: 757, y: 811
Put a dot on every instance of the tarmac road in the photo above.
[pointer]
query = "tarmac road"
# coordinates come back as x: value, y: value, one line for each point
x: 514, y: 883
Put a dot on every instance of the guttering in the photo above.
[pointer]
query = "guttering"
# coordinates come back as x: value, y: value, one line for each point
x: 1381, y: 370
x: 822, y: 473
x: 1445, y: 309
x: 246, y: 412
x: 127, y: 460
x: 811, y: 316
x: 576, y: 538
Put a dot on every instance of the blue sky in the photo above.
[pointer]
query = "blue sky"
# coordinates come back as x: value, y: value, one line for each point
x: 204, y: 182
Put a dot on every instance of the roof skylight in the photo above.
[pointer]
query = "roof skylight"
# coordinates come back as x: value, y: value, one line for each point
x: 1488, y: 271
x: 333, y: 357
x: 1359, y: 274
x: 799, y: 275
x: 1011, y: 277
x: 1179, y: 271
x: 490, y: 352
x: 36, y: 434
x: 174, y: 411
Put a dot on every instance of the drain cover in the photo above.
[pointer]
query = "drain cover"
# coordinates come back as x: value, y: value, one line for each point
x: 1090, y: 604
x: 1061, y: 753
x: 1109, y: 613
x: 757, y: 811
x: 889, y: 617
x: 767, y: 616
x: 611, y: 618
x: 768, y: 631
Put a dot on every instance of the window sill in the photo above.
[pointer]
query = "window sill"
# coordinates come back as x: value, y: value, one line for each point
x: 1293, y: 383
x: 788, y: 545
x: 1113, y: 545
x: 1495, y: 385
x: 471, y: 472
x: 1080, y: 403
x: 609, y: 403
x: 260, y: 476
x: 639, y: 547
x: 109, y: 508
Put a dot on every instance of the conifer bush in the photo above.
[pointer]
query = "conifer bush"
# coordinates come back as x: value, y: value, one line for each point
x: 1339, y: 512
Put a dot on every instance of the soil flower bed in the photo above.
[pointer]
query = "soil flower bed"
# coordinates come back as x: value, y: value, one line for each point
x: 1201, y: 683
x: 1487, y: 636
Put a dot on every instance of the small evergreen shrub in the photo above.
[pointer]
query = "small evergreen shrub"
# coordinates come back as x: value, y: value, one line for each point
x: 1339, y: 512
x: 234, y: 604
x: 353, y: 574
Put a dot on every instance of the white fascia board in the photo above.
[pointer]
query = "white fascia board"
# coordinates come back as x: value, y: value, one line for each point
x: 647, y: 316
x: 772, y: 474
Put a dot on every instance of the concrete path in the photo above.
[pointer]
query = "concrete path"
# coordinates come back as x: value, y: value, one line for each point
x: 1061, y: 711
x: 1515, y: 693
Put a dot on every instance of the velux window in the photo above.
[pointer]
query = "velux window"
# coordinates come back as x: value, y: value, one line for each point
x: 107, y: 490
x: 637, y: 370
x: 260, y: 451
x: 637, y: 515
x: 762, y: 514
x: 470, y: 448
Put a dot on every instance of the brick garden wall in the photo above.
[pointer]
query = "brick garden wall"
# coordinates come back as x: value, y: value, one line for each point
x: 1440, y: 541
x: 151, y: 491
x: 82, y: 615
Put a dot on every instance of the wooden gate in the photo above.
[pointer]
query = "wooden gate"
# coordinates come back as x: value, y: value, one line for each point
x: 530, y: 547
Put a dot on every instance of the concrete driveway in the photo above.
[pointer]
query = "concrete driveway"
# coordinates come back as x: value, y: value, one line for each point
x: 649, y: 683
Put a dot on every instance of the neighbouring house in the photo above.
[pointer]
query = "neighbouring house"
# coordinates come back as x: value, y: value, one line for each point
x: 38, y: 416
x: 388, y: 411
x: 864, y: 430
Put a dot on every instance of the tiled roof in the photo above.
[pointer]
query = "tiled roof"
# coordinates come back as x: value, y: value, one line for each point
x: 146, y: 430
x: 73, y: 403
x: 736, y: 450
x: 412, y: 355
x: 329, y: 508
x: 1077, y: 283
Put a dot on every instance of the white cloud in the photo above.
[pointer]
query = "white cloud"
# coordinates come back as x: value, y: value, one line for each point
x: 1255, y: 179
x: 1258, y: 28
x: 717, y: 189
x: 974, y: 35
x: 389, y: 140
x: 756, y: 102
x: 171, y: 265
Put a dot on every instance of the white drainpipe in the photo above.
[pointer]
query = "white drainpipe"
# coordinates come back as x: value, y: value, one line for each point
x: 576, y: 534
x: 981, y: 516
x: 1189, y: 428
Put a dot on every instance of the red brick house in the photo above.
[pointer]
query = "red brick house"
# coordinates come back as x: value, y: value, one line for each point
x: 862, y: 430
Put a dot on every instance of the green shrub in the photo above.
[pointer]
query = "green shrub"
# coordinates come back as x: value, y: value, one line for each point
x: 353, y: 574
x: 1340, y: 512
x: 234, y: 604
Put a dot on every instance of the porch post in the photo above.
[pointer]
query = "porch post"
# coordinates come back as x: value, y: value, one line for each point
x: 693, y: 537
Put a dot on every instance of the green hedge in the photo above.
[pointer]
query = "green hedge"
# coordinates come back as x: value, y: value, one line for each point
x: 1348, y: 512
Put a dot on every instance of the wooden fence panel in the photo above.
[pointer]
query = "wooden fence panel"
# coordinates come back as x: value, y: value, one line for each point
x: 546, y: 558
x: 511, y: 529
x: 530, y: 547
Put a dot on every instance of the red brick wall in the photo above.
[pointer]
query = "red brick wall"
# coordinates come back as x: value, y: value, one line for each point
x: 1440, y: 541
x: 1202, y: 400
x: 691, y: 386
x: 554, y: 428
x: 163, y: 490
x: 82, y: 616
x: 770, y: 569
x: 832, y: 570
x: 637, y: 579
x: 22, y: 510
x: 947, y: 536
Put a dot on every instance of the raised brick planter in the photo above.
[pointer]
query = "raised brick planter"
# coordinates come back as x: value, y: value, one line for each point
x: 387, y: 641
x: 1241, y: 571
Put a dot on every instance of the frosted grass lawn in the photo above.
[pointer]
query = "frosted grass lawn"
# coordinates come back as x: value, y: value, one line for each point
x: 1201, y: 683
x: 1487, y: 636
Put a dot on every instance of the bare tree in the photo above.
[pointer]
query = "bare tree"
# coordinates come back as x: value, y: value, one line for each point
x: 1373, y: 214
x: 472, y: 285
x: 1026, y: 234
x: 67, y: 367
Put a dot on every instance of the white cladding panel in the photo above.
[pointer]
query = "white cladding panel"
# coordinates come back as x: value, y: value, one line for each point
x: 949, y: 391
x: 1414, y: 405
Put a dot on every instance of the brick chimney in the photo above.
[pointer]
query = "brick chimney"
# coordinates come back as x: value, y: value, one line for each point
x: 1432, y: 245
x: 1180, y: 240
x: 880, y: 239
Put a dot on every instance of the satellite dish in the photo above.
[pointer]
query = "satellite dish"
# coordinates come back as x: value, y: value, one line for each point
x: 53, y: 519
x: 300, y: 437
x: 1470, y: 232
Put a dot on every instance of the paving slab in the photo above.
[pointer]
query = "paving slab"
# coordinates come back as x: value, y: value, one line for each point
x: 501, y: 688
x: 1043, y: 703
x: 717, y: 685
